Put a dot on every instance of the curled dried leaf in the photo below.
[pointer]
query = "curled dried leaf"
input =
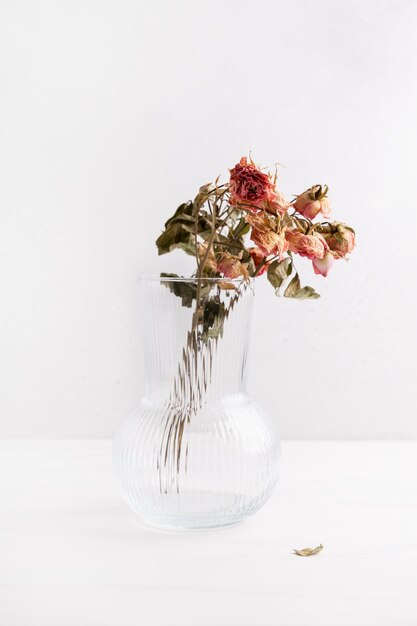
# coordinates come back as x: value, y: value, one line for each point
x: 293, y: 287
x: 209, y: 258
x: 278, y: 272
x: 203, y: 194
x: 226, y: 286
x: 309, y: 551
x: 294, y: 290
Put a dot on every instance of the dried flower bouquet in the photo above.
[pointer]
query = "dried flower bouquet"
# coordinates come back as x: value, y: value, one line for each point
x: 237, y: 231
x: 246, y: 227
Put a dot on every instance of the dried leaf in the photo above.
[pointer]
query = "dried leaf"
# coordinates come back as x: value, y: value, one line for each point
x: 306, y: 293
x: 214, y: 313
x: 294, y: 290
x: 175, y: 236
x: 293, y: 287
x: 309, y: 551
x: 241, y: 229
x: 226, y: 286
x: 210, y: 262
x: 183, y: 289
x: 278, y: 271
x: 180, y: 230
x: 203, y: 194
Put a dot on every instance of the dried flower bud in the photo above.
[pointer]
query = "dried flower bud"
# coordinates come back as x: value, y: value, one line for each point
x: 312, y: 202
x: 341, y: 240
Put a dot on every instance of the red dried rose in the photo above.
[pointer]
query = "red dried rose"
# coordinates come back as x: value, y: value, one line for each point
x: 249, y: 186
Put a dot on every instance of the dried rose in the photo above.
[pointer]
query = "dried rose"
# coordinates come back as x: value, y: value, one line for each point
x: 270, y: 242
x: 231, y: 267
x: 324, y: 265
x: 258, y: 256
x: 278, y: 204
x: 249, y: 186
x: 264, y: 235
x: 311, y: 246
x: 341, y: 240
x: 312, y: 202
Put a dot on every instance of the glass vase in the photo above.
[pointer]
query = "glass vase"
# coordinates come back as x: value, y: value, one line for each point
x: 198, y: 452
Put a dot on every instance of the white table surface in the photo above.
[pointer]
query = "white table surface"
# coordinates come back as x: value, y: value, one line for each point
x: 72, y: 553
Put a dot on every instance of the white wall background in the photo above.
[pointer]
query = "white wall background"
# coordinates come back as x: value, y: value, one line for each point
x: 112, y: 113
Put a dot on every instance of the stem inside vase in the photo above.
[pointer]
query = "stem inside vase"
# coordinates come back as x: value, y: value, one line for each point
x: 191, y: 383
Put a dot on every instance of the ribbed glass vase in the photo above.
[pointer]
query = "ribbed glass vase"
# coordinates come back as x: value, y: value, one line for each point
x: 197, y: 453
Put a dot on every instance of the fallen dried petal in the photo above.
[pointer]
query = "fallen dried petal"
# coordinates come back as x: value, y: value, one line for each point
x: 309, y: 551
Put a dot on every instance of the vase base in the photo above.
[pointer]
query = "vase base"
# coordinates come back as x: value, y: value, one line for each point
x: 195, y: 510
x: 187, y: 526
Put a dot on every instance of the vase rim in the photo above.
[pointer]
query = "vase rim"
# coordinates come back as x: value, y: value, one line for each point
x: 192, y: 279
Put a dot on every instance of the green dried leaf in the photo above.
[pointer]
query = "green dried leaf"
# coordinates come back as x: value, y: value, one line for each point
x: 241, y: 229
x: 278, y: 271
x: 203, y: 194
x: 293, y: 287
x: 205, y: 234
x: 250, y: 264
x: 184, y: 210
x: 309, y: 551
x: 175, y: 237
x: 187, y: 224
x: 187, y: 246
x: 294, y: 290
x: 307, y: 293
x: 182, y: 218
x: 214, y: 313
x: 184, y: 290
x: 180, y: 230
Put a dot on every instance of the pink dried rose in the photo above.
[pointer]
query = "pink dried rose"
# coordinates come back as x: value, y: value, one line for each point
x: 264, y: 235
x: 341, y: 241
x: 231, y: 267
x: 311, y: 246
x: 270, y: 242
x: 324, y: 265
x: 312, y: 202
x: 257, y: 257
x: 278, y: 205
x: 249, y: 186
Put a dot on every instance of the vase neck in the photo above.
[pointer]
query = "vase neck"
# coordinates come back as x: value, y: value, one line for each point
x: 195, y: 362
